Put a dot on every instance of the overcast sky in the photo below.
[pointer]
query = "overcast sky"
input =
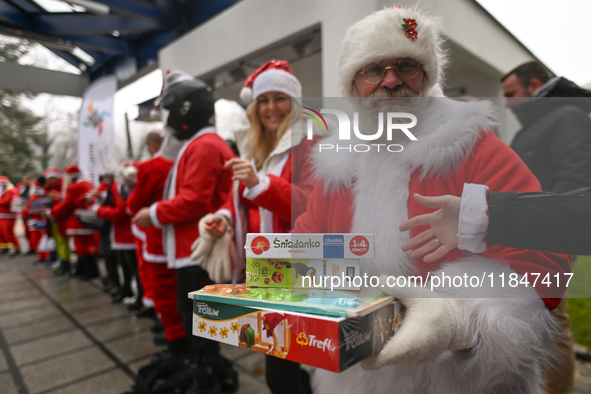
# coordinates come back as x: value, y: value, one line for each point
x: 557, y: 32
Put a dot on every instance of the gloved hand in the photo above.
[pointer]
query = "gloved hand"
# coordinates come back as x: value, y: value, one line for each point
x: 219, y: 262
x: 430, y: 326
x: 85, y: 213
x: 203, y: 245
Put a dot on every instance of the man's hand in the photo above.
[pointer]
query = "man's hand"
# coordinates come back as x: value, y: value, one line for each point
x: 142, y: 218
x: 243, y: 171
x: 443, y: 228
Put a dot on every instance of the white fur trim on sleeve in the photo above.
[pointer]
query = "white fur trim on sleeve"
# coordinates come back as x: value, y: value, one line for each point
x: 254, y: 192
x: 473, y: 222
x: 154, y: 216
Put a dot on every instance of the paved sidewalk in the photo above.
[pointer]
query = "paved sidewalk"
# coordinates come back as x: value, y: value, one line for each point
x: 62, y: 335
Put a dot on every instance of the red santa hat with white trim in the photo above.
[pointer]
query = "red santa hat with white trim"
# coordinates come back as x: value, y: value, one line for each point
x: 392, y: 33
x: 52, y: 173
x: 273, y: 76
x: 73, y: 171
x: 4, y: 180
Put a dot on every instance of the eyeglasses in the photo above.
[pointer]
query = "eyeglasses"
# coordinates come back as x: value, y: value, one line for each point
x: 373, y: 73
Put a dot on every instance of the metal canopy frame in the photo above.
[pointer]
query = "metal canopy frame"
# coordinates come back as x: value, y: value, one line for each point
x: 120, y: 36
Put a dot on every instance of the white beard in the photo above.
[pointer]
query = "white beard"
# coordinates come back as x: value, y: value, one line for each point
x: 170, y: 145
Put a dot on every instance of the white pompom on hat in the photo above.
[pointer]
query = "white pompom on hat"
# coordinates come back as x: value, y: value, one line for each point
x: 392, y: 33
x: 273, y: 76
x: 73, y: 171
x: 52, y: 173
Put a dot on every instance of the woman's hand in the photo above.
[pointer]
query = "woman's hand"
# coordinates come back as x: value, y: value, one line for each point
x: 243, y: 171
x: 215, y: 225
x: 442, y: 236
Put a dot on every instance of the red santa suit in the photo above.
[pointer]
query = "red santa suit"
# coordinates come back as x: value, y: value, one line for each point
x: 121, y: 236
x: 285, y: 183
x: 36, y: 221
x: 197, y: 185
x: 9, y: 198
x: 372, y: 193
x: 160, y: 280
x: 75, y: 198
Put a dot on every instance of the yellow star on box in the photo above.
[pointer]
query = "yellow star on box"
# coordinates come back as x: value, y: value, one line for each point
x: 224, y: 332
x: 213, y: 331
x: 400, y: 309
x: 235, y: 327
x: 395, y: 322
x: 202, y: 326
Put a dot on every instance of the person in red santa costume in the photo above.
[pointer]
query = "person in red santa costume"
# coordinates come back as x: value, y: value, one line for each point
x: 160, y: 279
x: 464, y: 339
x: 198, y: 184
x: 34, y: 213
x: 274, y: 180
x: 84, y: 238
x: 57, y: 227
x: 9, y: 199
x: 121, y: 237
x: 25, y: 190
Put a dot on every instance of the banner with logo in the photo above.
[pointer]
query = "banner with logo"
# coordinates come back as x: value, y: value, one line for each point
x: 95, y: 127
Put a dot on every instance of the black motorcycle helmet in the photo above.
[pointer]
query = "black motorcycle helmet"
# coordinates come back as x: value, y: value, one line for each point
x: 191, y: 106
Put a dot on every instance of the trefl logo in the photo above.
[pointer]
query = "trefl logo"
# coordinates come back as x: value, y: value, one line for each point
x: 311, y: 340
x: 207, y: 310
x: 259, y: 245
x: 345, y: 130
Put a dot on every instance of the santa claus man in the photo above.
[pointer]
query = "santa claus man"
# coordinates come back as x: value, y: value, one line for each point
x: 9, y: 199
x: 452, y: 339
x: 84, y: 238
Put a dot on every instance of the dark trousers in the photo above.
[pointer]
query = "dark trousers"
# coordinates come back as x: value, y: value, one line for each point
x: 279, y: 371
x: 128, y: 262
x: 190, y: 279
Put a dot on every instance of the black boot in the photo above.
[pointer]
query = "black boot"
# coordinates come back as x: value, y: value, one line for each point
x: 227, y: 376
x: 80, y: 267
x: 91, y: 267
x: 62, y: 269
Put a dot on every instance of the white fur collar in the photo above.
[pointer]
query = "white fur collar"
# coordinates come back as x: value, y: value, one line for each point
x: 447, y: 131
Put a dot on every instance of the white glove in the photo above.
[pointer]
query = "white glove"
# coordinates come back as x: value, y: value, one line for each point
x: 85, y: 213
x: 430, y: 327
x: 219, y: 261
x: 202, y: 245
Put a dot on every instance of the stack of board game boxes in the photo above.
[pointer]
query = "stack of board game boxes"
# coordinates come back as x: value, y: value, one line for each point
x: 304, y: 300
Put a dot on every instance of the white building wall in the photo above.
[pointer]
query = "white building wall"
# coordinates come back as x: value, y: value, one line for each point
x: 481, y: 50
x: 253, y: 26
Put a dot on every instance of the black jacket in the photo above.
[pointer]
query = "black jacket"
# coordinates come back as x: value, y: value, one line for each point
x: 555, y: 142
x: 559, y: 223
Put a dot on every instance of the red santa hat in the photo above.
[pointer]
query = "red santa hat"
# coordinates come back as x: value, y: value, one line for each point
x: 4, y: 180
x: 273, y: 76
x: 172, y: 76
x: 272, y: 320
x: 73, y: 171
x: 392, y: 33
x: 52, y: 173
